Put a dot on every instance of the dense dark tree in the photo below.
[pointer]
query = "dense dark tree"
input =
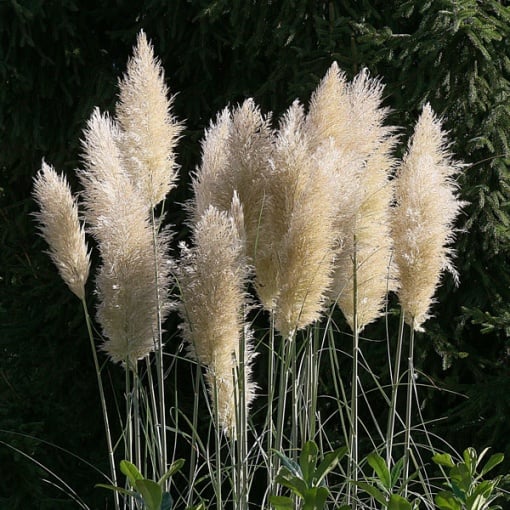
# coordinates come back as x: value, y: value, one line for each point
x: 58, y: 59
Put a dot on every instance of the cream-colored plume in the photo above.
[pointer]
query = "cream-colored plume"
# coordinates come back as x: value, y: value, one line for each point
x: 212, y: 276
x: 149, y: 130
x: 296, y: 243
x: 117, y: 217
x: 349, y: 117
x: 423, y: 219
x: 235, y: 158
x: 60, y: 227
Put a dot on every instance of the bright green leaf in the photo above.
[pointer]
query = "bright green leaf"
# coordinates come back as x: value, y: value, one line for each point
x: 378, y: 464
x: 329, y: 463
x: 308, y: 461
x: 446, y: 501
x: 471, y: 459
x: 292, y: 466
x: 397, y: 502
x: 443, y: 459
x: 396, y: 471
x: 494, y: 460
x: 131, y: 471
x: 373, y: 491
x: 281, y: 502
x: 176, y: 466
x: 151, y: 493
x: 315, y: 498
x: 294, y: 483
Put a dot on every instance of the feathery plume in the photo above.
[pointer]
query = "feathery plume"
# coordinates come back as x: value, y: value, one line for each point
x: 296, y: 243
x: 211, y: 276
x: 349, y: 116
x: 149, y: 130
x: 423, y: 219
x: 235, y: 158
x: 60, y: 227
x: 117, y: 217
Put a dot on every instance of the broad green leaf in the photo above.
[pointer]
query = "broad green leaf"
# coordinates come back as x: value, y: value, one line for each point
x: 446, y: 501
x: 396, y: 471
x: 308, y: 461
x: 460, y: 477
x: 176, y: 466
x: 373, y: 491
x: 131, y: 471
x: 167, y: 502
x: 471, y: 459
x: 378, y: 464
x: 476, y: 502
x: 315, y: 498
x: 484, y: 488
x: 330, y: 461
x: 116, y: 489
x: 494, y: 460
x: 292, y: 466
x: 397, y: 502
x: 281, y: 502
x: 200, y: 506
x: 151, y: 493
x: 443, y: 459
x: 294, y: 483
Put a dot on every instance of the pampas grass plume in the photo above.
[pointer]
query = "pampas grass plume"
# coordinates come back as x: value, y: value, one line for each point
x: 60, y: 227
x: 296, y: 243
x: 149, y: 130
x: 235, y: 159
x: 211, y: 276
x: 117, y: 217
x: 426, y: 208
x: 349, y: 117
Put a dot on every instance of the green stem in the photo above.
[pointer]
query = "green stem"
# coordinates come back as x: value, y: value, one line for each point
x: 353, y: 464
x: 270, y: 397
x: 159, y: 358
x: 395, y: 383
x: 109, y: 444
x: 410, y: 388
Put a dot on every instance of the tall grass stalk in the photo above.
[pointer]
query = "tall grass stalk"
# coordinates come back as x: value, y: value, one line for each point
x: 395, y: 384
x: 102, y: 398
x: 159, y: 355
x: 409, y: 403
x: 353, y: 443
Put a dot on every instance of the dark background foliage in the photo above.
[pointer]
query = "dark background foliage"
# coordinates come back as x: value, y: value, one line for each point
x: 58, y: 59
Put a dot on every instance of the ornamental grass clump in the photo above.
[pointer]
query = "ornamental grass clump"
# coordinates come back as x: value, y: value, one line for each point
x: 293, y: 221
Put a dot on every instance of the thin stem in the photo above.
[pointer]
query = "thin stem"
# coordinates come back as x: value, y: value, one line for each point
x: 194, y: 432
x: 136, y: 419
x: 395, y: 383
x: 111, y: 458
x: 353, y: 464
x: 270, y: 397
x: 294, y: 429
x: 128, y: 437
x: 409, y: 403
x: 159, y: 357
x: 217, y: 445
